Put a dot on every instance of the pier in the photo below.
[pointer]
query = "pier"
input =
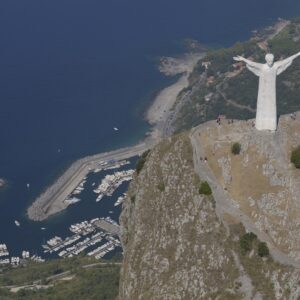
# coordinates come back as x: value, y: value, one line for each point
x: 113, y: 229
x: 86, y: 235
x: 53, y: 199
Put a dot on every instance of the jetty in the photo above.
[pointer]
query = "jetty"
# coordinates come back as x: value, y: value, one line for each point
x: 53, y: 199
x: 109, y: 227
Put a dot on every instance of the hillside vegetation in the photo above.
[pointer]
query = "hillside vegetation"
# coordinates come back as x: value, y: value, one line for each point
x: 228, y: 88
x: 75, y: 278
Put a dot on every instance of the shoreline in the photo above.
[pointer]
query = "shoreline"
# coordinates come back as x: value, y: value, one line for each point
x: 52, y: 200
x: 160, y: 111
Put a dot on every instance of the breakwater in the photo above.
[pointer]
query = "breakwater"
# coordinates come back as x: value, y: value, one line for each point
x: 53, y: 201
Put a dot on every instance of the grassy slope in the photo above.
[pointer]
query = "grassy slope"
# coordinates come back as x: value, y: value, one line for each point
x: 100, y: 282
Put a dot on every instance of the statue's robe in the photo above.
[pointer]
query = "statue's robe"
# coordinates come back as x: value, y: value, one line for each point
x: 266, y: 112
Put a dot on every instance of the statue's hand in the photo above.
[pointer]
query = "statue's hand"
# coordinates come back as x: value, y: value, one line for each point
x: 239, y: 58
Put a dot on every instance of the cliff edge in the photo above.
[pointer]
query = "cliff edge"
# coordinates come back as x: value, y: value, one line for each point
x: 240, y: 242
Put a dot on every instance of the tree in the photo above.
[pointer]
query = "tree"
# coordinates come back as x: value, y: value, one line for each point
x: 246, y: 242
x: 263, y: 249
x: 205, y: 189
x: 295, y: 157
x: 236, y: 148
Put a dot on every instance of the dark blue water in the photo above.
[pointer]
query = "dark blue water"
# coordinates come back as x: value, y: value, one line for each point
x: 72, y: 70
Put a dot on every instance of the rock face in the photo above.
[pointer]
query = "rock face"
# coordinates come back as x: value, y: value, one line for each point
x: 179, y: 244
x: 260, y: 181
x: 174, y: 243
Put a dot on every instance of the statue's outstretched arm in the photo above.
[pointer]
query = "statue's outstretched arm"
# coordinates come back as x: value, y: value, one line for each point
x: 293, y: 56
x: 254, y: 67
x: 284, y: 64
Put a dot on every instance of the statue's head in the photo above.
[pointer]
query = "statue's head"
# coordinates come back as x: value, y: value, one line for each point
x: 270, y: 59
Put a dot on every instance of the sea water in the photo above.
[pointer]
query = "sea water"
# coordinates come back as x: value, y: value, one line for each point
x: 70, y: 71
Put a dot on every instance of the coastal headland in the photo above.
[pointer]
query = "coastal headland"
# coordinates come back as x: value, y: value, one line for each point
x: 52, y: 200
x: 164, y: 110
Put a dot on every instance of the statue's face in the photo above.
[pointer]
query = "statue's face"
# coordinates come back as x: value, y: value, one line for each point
x: 270, y: 59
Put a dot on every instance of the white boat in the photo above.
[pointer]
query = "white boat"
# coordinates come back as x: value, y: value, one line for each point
x: 119, y: 201
x: 17, y: 223
x: 99, y: 198
x: 72, y: 200
x: 116, y: 129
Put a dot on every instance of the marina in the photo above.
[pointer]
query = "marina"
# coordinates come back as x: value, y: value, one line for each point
x: 86, y: 235
x: 5, y: 259
x: 85, y: 227
x: 97, y: 237
x: 110, y: 183
x: 53, y: 199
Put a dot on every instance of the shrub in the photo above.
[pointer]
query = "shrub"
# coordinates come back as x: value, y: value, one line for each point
x: 161, y: 186
x: 236, y: 148
x: 205, y: 189
x: 246, y: 242
x: 263, y: 249
x: 140, y: 163
x: 295, y: 157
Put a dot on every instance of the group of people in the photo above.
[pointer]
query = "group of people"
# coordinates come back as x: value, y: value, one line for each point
x: 219, y: 118
x: 203, y: 159
x: 293, y: 116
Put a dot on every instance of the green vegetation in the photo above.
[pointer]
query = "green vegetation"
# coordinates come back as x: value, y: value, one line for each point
x: 249, y: 241
x: 36, y: 271
x: 246, y: 242
x: 241, y: 88
x: 255, y: 267
x: 295, y: 157
x: 140, y: 163
x: 205, y: 189
x: 221, y: 59
x: 161, y: 186
x: 97, y: 282
x: 262, y: 249
x: 236, y: 148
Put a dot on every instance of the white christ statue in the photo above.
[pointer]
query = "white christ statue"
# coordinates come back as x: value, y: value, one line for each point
x: 266, y: 112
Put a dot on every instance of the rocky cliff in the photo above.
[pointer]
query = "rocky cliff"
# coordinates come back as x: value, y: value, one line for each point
x: 182, y: 244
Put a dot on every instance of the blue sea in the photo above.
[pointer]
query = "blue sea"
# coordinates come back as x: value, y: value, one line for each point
x: 70, y: 71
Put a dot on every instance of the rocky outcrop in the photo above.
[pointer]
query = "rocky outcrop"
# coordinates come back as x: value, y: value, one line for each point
x: 261, y: 181
x: 179, y: 244
x: 175, y: 246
